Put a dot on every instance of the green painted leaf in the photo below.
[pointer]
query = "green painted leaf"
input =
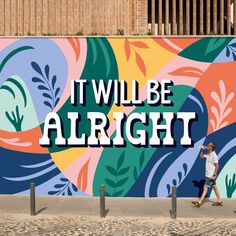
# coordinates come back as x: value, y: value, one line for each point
x: 121, y: 160
x: 111, y: 170
x: 135, y: 173
x: 141, y: 161
x: 206, y: 49
x: 121, y: 182
x: 117, y: 194
x: 213, y: 44
x: 110, y: 182
x: 123, y: 171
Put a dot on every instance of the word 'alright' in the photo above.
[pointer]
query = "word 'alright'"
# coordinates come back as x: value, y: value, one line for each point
x: 100, y: 124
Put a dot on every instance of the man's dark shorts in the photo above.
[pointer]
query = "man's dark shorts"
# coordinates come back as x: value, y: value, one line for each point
x: 210, y: 183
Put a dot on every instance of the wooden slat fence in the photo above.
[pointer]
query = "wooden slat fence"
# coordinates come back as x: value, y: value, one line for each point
x: 193, y: 17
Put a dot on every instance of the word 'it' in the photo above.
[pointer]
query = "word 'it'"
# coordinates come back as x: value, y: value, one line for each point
x: 99, y: 124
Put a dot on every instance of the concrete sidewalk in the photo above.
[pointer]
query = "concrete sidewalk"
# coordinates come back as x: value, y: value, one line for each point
x: 131, y: 207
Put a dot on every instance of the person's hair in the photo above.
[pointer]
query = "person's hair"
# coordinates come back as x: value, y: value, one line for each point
x: 213, y: 145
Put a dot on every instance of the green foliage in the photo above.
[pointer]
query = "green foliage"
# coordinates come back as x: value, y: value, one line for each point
x: 16, y: 119
x: 79, y: 33
x: 149, y: 32
x: 230, y: 185
x: 120, y: 32
x: 117, y: 178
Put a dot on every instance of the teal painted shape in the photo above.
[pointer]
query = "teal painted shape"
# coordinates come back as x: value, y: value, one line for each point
x: 206, y: 49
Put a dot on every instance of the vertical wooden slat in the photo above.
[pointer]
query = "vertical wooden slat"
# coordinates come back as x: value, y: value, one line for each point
x: 64, y: 17
x: 26, y: 17
x: 208, y: 17
x: 221, y: 16
x: 194, y: 17
x: 160, y: 17
x: 234, y: 17
x: 166, y: 17
x: 201, y: 31
x: 173, y: 25
x: 76, y: 17
x: 13, y: 17
x: 45, y: 17
x: 51, y: 16
x: 180, y: 17
x: 7, y: 17
x: 215, y: 16
x: 58, y: 17
x: 20, y: 17
x: 228, y: 17
x: 2, y: 18
x: 188, y: 17
x: 32, y: 17
x: 70, y: 15
x: 153, y: 17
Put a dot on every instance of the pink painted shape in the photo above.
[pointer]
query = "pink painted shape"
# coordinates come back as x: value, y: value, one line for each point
x: 15, y: 142
x: 5, y: 42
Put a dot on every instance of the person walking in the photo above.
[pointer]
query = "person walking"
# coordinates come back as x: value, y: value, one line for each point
x: 212, y: 167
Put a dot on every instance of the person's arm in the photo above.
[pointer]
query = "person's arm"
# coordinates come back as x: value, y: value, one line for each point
x: 202, y: 154
x: 215, y: 171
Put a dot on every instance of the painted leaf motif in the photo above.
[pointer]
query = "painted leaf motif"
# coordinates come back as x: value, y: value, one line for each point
x: 227, y: 52
x: 57, y: 100
x: 41, y: 87
x: 121, y: 182
x: 47, y: 96
x: 127, y: 49
x: 141, y: 161
x: 53, y: 192
x: 54, y: 79
x: 74, y: 42
x: 36, y: 67
x: 37, y: 80
x: 123, y: 171
x: 64, y: 179
x: 47, y: 71
x: 82, y: 180
x: 110, y: 182
x: 213, y: 44
x: 57, y: 91
x: 111, y: 170
x: 117, y: 194
x: 59, y: 185
x: 74, y: 188
x: 121, y: 160
x: 47, y: 104
x: 139, y: 44
x: 187, y: 71
x: 69, y: 192
x: 140, y: 63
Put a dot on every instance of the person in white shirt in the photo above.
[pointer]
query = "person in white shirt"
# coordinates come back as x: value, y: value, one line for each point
x: 212, y: 167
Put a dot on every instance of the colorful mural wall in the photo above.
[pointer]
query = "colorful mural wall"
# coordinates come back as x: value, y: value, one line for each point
x: 35, y: 79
